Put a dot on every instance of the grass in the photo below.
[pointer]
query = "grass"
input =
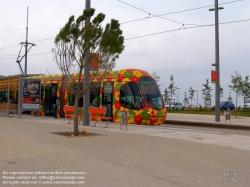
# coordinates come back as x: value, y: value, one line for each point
x: 243, y: 113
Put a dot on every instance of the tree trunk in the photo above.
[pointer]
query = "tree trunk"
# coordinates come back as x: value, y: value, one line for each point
x: 76, y: 129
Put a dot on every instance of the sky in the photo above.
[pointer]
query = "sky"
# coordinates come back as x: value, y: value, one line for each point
x: 168, y: 38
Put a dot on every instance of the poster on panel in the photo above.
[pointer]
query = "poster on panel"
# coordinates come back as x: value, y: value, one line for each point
x: 30, y: 94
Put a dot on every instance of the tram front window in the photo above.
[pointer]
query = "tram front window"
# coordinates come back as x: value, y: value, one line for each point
x: 151, y: 93
x: 130, y: 96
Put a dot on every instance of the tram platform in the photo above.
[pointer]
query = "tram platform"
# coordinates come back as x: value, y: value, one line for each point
x: 238, y: 122
x: 241, y: 123
x: 141, y: 156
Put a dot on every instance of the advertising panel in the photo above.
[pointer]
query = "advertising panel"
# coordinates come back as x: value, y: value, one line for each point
x: 30, y: 94
x: 214, y: 76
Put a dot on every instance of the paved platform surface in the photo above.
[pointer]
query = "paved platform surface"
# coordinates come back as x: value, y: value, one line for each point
x: 208, y: 118
x: 208, y: 121
x: 142, y: 156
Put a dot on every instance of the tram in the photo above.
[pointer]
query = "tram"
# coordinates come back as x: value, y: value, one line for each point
x: 131, y: 90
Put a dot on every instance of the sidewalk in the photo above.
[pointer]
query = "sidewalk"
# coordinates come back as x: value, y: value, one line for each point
x: 142, y: 156
x: 208, y: 121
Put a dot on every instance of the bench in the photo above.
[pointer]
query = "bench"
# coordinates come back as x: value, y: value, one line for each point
x: 98, y: 113
x: 4, y: 109
x: 69, y: 112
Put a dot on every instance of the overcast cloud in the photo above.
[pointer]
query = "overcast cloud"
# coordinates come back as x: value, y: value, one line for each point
x: 187, y: 54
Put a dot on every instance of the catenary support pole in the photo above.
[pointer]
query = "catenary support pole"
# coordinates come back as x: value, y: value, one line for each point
x: 217, y: 62
x: 26, y: 43
x: 86, y: 96
x: 8, y: 98
x: 19, y: 97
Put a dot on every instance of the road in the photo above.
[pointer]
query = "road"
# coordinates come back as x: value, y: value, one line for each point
x: 142, y: 156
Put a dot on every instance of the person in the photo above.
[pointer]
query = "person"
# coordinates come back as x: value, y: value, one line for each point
x: 32, y: 87
x: 31, y: 91
x: 106, y: 98
x: 54, y: 105
x: 31, y: 95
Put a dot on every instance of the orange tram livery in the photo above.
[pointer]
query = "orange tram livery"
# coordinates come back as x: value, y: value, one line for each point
x: 131, y: 90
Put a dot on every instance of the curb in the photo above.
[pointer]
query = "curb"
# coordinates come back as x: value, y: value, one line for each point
x: 208, y: 124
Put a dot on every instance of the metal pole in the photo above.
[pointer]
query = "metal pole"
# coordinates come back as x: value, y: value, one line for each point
x: 19, y: 98
x: 217, y: 62
x: 197, y: 98
x: 86, y: 99
x: 8, y: 98
x: 26, y: 43
x: 178, y: 95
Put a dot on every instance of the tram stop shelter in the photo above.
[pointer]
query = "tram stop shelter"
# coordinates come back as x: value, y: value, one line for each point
x: 15, y: 84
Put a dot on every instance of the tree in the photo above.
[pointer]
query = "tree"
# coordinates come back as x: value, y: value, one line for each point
x: 171, y: 87
x: 206, y: 91
x: 191, y: 94
x: 221, y: 91
x: 236, y: 86
x: 72, y: 44
x: 157, y: 79
x: 185, y: 100
x: 166, y: 95
x: 245, y: 86
x: 229, y: 98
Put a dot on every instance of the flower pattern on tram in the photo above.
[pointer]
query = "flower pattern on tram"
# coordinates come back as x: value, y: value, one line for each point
x: 115, y: 74
x: 145, y: 115
x: 128, y: 74
x: 117, y: 105
x: 118, y: 86
x: 137, y: 73
x: 160, y: 114
x: 138, y: 119
x: 153, y: 119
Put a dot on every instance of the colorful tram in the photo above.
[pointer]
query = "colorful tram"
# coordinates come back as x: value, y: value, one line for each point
x: 131, y: 90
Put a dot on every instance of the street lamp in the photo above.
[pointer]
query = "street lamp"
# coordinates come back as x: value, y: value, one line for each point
x: 177, y: 93
x: 197, y: 97
x: 217, y: 61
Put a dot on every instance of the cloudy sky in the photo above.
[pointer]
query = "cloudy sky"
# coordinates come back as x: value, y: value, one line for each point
x: 164, y: 36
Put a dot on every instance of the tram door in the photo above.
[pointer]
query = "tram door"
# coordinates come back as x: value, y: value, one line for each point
x: 107, y: 97
x: 50, y: 90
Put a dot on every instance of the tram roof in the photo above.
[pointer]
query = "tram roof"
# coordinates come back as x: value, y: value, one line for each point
x: 115, y: 74
x: 12, y: 81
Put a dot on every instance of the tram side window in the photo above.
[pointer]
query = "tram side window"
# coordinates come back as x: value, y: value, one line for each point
x: 95, y: 94
x: 4, y: 97
x: 130, y: 96
x: 71, y: 100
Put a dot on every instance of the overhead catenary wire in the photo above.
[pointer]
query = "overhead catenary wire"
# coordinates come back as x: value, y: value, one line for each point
x: 44, y: 39
x: 185, y: 28
x: 9, y: 46
x: 32, y: 42
x: 157, y: 33
x: 149, y: 12
x: 144, y: 18
x: 177, y: 12
x: 29, y: 55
